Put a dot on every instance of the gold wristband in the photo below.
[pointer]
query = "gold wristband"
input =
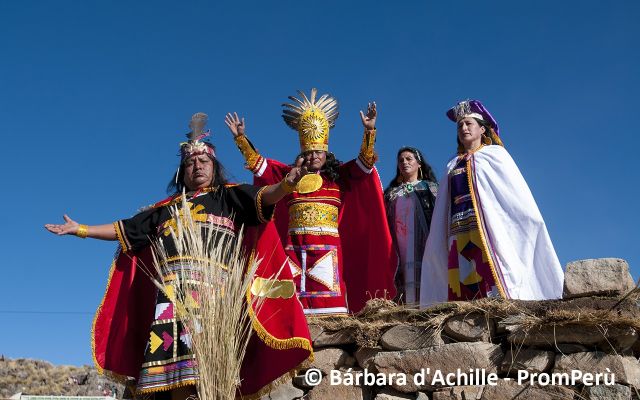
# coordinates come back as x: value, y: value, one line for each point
x: 367, y: 154
x: 251, y: 156
x: 286, y: 186
x: 83, y: 231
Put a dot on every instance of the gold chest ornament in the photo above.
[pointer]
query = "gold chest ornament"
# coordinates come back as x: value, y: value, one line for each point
x: 309, y: 183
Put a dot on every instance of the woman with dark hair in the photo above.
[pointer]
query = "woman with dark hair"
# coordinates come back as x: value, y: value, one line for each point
x: 136, y: 332
x: 332, y: 224
x: 409, y: 201
x: 488, y: 238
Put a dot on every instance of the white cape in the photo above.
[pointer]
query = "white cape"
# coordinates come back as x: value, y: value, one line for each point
x: 516, y: 234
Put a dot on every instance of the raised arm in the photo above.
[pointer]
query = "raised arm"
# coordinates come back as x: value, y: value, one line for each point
x: 251, y: 156
x: 368, y: 156
x: 71, y: 227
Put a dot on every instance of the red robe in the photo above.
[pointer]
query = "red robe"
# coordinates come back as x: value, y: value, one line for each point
x: 365, y: 263
x: 121, y: 324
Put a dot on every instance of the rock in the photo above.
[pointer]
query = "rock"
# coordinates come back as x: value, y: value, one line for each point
x: 446, y: 358
x: 329, y: 358
x: 300, y: 381
x: 409, y: 337
x: 602, y: 392
x: 625, y: 369
x: 472, y: 327
x: 597, y: 277
x: 325, y: 391
x: 636, y: 348
x: 365, y: 356
x: 531, y: 360
x: 348, y: 362
x: 337, y: 338
x: 389, y: 394
x: 458, y: 393
x: 422, y: 396
x: 570, y: 348
x: 285, y: 391
x: 510, y: 389
x: 314, y: 331
x: 616, y: 338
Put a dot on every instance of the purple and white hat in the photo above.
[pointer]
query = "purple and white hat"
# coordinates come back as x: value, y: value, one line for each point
x: 475, y: 109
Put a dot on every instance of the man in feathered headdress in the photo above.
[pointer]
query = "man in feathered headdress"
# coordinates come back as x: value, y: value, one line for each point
x: 137, y: 332
x: 332, y: 223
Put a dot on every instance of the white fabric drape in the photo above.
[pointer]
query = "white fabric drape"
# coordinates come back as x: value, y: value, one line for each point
x: 516, y: 234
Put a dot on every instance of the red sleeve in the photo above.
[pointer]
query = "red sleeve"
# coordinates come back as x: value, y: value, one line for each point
x: 271, y: 173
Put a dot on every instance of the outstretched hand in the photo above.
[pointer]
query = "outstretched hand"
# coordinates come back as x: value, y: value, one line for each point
x: 235, y: 124
x: 369, y: 119
x: 70, y: 227
x: 297, y: 172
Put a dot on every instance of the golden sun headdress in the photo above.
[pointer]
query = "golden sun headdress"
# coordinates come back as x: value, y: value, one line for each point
x: 312, y: 118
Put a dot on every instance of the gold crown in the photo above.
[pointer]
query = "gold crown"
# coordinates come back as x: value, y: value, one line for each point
x: 312, y: 119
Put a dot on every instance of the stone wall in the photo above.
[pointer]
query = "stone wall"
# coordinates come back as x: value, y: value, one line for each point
x: 584, y: 346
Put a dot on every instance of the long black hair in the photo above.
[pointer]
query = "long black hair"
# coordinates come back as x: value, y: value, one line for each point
x: 176, y: 185
x: 331, y: 167
x: 427, y: 171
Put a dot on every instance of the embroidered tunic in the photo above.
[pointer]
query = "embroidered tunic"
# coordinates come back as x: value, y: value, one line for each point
x: 409, y: 208
x: 313, y: 241
x: 168, y: 359
x: 470, y: 274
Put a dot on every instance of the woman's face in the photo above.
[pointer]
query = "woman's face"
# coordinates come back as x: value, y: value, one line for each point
x: 470, y: 132
x: 408, y: 166
x: 198, y: 172
x: 315, y: 159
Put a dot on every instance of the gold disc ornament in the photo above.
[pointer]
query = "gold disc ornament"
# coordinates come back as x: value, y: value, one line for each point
x: 309, y: 183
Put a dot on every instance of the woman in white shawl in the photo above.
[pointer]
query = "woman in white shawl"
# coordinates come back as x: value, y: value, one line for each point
x: 487, y: 237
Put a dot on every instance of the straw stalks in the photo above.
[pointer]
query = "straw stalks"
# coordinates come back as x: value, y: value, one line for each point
x: 207, y: 279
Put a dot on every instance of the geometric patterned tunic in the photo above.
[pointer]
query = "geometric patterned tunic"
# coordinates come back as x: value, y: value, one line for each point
x: 470, y: 273
x: 168, y: 359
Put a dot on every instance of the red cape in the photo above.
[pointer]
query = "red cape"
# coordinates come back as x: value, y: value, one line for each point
x: 121, y: 324
x: 370, y: 261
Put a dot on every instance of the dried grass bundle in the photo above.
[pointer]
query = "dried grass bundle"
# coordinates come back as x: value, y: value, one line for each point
x: 208, y: 285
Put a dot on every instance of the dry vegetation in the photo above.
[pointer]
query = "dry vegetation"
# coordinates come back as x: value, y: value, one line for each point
x: 523, y: 316
x: 42, y: 378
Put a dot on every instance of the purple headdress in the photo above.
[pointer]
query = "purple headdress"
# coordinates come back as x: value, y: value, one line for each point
x: 475, y: 109
x: 472, y: 108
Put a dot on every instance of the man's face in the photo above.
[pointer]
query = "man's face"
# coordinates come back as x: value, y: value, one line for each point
x: 315, y: 159
x: 198, y: 172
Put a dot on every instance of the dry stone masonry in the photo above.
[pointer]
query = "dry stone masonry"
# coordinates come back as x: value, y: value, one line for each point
x: 584, y: 346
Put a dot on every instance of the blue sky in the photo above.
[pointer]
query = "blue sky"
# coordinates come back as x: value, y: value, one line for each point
x: 95, y: 96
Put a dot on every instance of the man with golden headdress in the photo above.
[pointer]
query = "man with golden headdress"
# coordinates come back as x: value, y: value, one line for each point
x: 332, y: 223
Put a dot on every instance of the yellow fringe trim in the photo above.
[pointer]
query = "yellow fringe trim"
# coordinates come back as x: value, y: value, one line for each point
x: 261, y: 217
x: 102, y: 371
x: 272, y: 341
x: 190, y: 382
x: 265, y: 336
x: 485, y: 248
x: 120, y: 236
